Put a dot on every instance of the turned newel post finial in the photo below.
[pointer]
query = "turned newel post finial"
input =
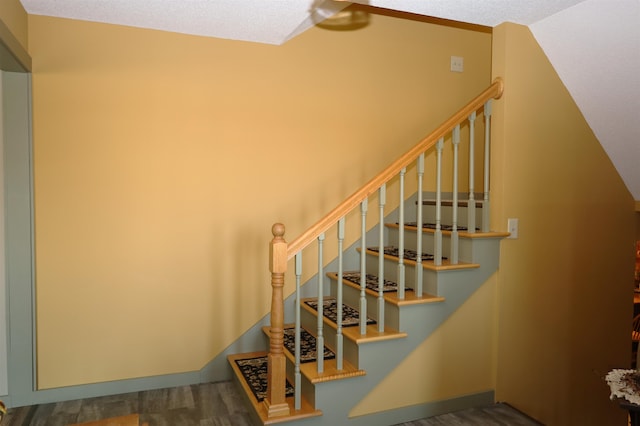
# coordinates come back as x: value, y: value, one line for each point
x: 277, y: 230
x: 275, y: 400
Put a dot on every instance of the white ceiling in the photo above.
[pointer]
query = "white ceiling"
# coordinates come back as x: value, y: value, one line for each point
x: 593, y: 44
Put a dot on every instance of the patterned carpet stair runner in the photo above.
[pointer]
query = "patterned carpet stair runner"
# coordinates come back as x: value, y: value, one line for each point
x: 407, y: 253
x: 350, y: 316
x: 372, y: 282
x: 308, y: 345
x: 433, y: 226
x: 254, y: 372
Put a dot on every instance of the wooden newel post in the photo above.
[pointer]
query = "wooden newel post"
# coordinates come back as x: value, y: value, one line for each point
x: 275, y: 401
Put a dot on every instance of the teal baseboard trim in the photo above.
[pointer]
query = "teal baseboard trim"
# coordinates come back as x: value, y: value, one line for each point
x: 421, y: 411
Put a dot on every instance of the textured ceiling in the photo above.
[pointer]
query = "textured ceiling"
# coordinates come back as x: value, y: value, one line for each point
x: 593, y: 44
x: 276, y: 21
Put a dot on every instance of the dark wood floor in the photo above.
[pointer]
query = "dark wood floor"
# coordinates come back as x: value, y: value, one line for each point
x: 211, y: 404
x: 494, y: 415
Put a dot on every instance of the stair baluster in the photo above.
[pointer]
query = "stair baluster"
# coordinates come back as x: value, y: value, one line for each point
x: 320, y: 331
x: 487, y: 151
x: 363, y: 268
x: 339, y: 337
x: 419, y: 273
x: 383, y: 196
x: 401, y: 237
x: 297, y: 307
x: 471, y: 206
x: 454, y: 231
x: 437, y: 236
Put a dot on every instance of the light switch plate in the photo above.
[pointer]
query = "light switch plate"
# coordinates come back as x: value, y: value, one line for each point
x: 512, y: 228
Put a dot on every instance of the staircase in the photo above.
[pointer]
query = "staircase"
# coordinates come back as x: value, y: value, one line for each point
x: 397, y: 283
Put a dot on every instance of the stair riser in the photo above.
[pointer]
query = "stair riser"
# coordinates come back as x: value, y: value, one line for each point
x: 429, y: 215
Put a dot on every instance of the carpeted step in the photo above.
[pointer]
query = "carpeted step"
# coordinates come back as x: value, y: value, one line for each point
x: 350, y: 322
x: 433, y: 226
x: 410, y: 256
x: 253, y: 369
x: 372, y: 282
x: 308, y: 345
x: 446, y: 229
x: 308, y: 359
x: 250, y: 370
x: 390, y: 291
x: 449, y: 203
x: 407, y: 253
x: 350, y: 315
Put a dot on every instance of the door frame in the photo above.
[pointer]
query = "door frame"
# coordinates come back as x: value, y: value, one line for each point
x: 15, y: 64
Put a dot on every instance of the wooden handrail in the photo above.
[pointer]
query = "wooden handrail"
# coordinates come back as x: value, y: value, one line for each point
x: 492, y: 92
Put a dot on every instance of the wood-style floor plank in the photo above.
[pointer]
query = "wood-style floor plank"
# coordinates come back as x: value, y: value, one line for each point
x: 212, y: 404
x: 492, y: 415
x: 208, y: 404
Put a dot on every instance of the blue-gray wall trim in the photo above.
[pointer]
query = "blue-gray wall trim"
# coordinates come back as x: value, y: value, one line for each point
x: 19, y: 231
x: 421, y: 411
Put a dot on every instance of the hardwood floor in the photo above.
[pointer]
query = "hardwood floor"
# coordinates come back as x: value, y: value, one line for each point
x: 210, y: 404
x: 494, y: 415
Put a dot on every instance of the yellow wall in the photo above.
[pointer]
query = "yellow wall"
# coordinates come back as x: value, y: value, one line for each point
x: 162, y: 160
x: 15, y: 18
x: 565, y: 285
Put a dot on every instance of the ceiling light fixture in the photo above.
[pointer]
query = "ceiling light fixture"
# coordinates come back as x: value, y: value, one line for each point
x: 334, y: 15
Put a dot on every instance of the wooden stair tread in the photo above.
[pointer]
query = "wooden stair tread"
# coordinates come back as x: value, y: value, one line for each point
x: 306, y: 410
x: 330, y: 373
x: 353, y: 333
x: 410, y: 297
x: 372, y: 335
x: 429, y: 264
x: 461, y: 234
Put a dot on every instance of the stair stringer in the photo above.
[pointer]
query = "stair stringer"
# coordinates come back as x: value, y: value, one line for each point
x: 337, y: 399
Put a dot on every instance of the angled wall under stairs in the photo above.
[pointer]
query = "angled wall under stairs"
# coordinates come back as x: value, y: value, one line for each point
x: 331, y: 397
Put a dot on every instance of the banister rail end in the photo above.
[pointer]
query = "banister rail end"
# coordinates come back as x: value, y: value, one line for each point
x: 500, y: 83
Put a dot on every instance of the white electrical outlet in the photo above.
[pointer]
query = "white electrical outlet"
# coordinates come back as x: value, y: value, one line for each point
x: 457, y: 63
x: 512, y: 228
